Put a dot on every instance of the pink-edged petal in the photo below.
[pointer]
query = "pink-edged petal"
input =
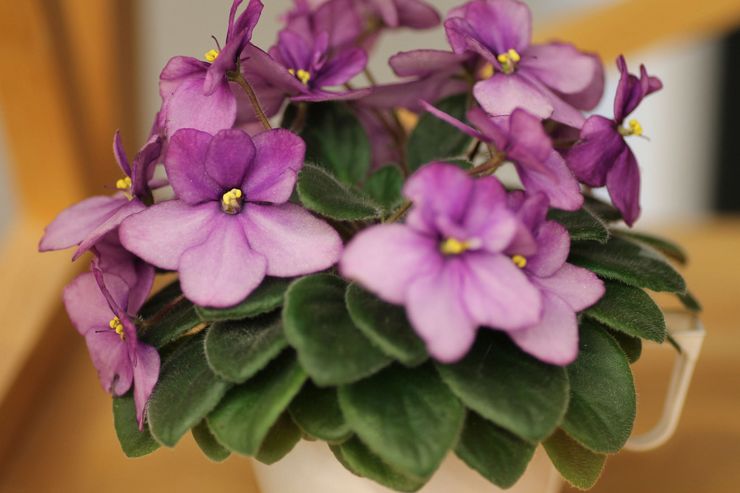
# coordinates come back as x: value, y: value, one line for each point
x: 436, y: 309
x: 561, y: 67
x: 417, y: 14
x: 110, y: 356
x: 437, y: 189
x: 419, y: 63
x: 224, y: 269
x: 129, y: 209
x: 162, y: 233
x: 145, y: 372
x: 229, y: 155
x: 553, y: 247
x: 498, y: 294
x: 558, y: 184
x: 75, y: 223
x: 502, y: 94
x: 186, y: 167
x: 190, y: 107
x: 293, y: 241
x: 387, y: 258
x: 342, y: 68
x: 502, y: 24
x: 578, y: 287
x: 623, y: 183
x: 554, y: 339
x: 278, y: 159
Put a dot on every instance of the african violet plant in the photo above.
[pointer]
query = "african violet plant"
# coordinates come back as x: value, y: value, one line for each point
x: 360, y: 275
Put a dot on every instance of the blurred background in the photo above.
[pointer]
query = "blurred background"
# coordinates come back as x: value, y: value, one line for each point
x: 73, y: 71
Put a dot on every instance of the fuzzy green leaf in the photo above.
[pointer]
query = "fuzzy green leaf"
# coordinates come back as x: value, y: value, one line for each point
x: 237, y: 350
x: 167, y: 316
x: 385, y: 325
x: 360, y: 460
x: 266, y: 298
x: 282, y: 437
x: 663, y: 245
x: 582, y: 225
x: 604, y: 210
x: 134, y: 443
x: 336, y: 141
x: 632, y: 346
x: 433, y: 139
x: 510, y: 388
x: 244, y: 417
x: 579, y: 466
x: 384, y: 187
x: 331, y: 349
x: 316, y: 411
x: 627, y: 261
x: 324, y: 194
x: 408, y: 417
x: 690, y: 302
x: 602, y: 401
x: 496, y: 454
x: 187, y: 390
x: 630, y: 310
x: 208, y: 443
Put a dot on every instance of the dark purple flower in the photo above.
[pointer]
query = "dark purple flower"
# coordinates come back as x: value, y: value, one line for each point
x: 83, y: 224
x: 339, y: 19
x: 565, y: 288
x: 102, y: 310
x: 451, y: 263
x: 550, y: 81
x: 523, y: 140
x: 231, y: 224
x: 603, y: 157
x: 415, y: 14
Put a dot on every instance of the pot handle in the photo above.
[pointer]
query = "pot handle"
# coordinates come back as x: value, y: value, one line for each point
x: 689, y: 339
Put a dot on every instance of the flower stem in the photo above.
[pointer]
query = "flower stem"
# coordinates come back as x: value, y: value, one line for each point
x: 400, y: 212
x: 370, y: 77
x: 247, y: 87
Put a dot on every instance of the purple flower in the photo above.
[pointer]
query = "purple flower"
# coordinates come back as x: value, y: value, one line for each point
x: 565, y: 288
x: 451, y: 263
x: 339, y: 19
x: 197, y: 94
x: 231, y: 223
x: 550, y: 81
x: 415, y: 14
x: 83, y: 224
x: 101, y: 309
x: 602, y: 156
x: 523, y: 140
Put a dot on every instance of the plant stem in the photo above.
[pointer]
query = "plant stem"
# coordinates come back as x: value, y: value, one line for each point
x: 300, y: 119
x: 247, y: 87
x: 400, y: 212
x: 370, y: 77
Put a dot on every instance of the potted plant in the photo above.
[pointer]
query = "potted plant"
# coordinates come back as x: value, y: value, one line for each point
x: 357, y: 279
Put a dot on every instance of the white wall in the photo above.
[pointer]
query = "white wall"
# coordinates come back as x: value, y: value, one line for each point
x: 7, y: 208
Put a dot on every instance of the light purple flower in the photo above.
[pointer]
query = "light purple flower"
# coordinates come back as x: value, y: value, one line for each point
x: 450, y: 264
x: 101, y: 309
x: 83, y: 224
x: 603, y: 157
x: 565, y: 288
x: 524, y: 141
x: 550, y: 81
x: 231, y: 223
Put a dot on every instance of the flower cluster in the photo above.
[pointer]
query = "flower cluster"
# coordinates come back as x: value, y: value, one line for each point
x: 399, y: 198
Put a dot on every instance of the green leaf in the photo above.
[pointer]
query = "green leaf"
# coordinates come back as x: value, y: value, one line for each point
x: 384, y: 187
x: 187, y: 390
x: 604, y: 210
x: 602, y: 401
x: 690, y: 302
x: 331, y: 349
x: 514, y: 390
x: 266, y: 298
x: 322, y: 193
x: 582, y: 225
x: 134, y: 443
x: 386, y: 326
x: 408, y: 417
x: 496, y: 454
x: 663, y: 245
x: 632, y: 346
x: 433, y: 139
x: 360, y: 460
x: 237, y: 350
x: 245, y: 415
x: 579, y: 466
x: 630, y: 310
x: 167, y: 316
x: 208, y: 443
x: 336, y: 141
x: 316, y: 411
x: 280, y: 440
x: 629, y: 262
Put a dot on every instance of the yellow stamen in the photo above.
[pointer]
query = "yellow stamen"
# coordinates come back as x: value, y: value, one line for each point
x: 211, y: 55
x: 302, y: 75
x: 487, y: 71
x: 124, y: 184
x: 509, y: 60
x: 453, y: 246
x: 116, y: 325
x: 231, y: 201
x: 519, y: 261
x: 634, y: 128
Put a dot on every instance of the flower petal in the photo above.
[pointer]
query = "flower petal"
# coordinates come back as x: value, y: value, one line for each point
x: 578, y: 287
x: 110, y: 356
x: 293, y: 241
x: 279, y: 157
x: 190, y: 107
x: 437, y: 189
x: 420, y: 63
x: 502, y: 24
x: 75, y: 223
x: 87, y: 308
x: 593, y: 156
x: 128, y: 209
x: 488, y: 218
x: 146, y: 372
x: 502, y: 94
x: 558, y: 184
x: 186, y: 167
x: 561, y: 67
x: 553, y: 247
x: 229, y: 156
x: 417, y: 14
x: 623, y: 183
x: 341, y: 68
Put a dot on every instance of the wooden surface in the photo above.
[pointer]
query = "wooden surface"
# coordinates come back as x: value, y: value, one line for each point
x: 70, y: 435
